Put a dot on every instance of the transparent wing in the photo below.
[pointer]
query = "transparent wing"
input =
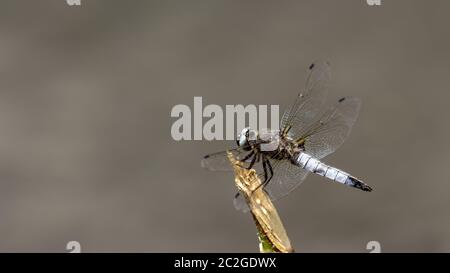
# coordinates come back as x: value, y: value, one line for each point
x: 240, y: 203
x: 309, y: 101
x: 219, y: 161
x: 324, y: 136
x: 286, y: 178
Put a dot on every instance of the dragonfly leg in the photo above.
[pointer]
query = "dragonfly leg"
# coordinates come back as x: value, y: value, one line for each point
x: 266, y: 163
x: 270, y: 170
x: 246, y: 157
x: 253, y: 162
x: 265, y: 170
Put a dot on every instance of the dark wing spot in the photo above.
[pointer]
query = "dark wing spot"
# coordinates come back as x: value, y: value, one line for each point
x: 342, y: 99
x: 311, y: 66
x: 206, y: 156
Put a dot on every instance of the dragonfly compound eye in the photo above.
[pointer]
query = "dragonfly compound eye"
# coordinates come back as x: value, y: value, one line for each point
x: 243, y: 137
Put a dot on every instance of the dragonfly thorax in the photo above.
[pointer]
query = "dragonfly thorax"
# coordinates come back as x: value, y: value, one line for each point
x: 270, y: 142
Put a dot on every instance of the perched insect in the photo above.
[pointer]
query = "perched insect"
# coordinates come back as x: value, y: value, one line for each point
x: 284, y: 157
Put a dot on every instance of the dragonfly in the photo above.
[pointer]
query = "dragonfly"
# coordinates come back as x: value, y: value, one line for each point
x: 283, y: 157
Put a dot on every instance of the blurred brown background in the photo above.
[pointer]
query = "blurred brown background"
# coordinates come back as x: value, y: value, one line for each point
x: 85, y: 98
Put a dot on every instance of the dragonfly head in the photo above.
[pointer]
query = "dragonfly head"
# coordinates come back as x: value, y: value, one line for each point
x: 246, y: 137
